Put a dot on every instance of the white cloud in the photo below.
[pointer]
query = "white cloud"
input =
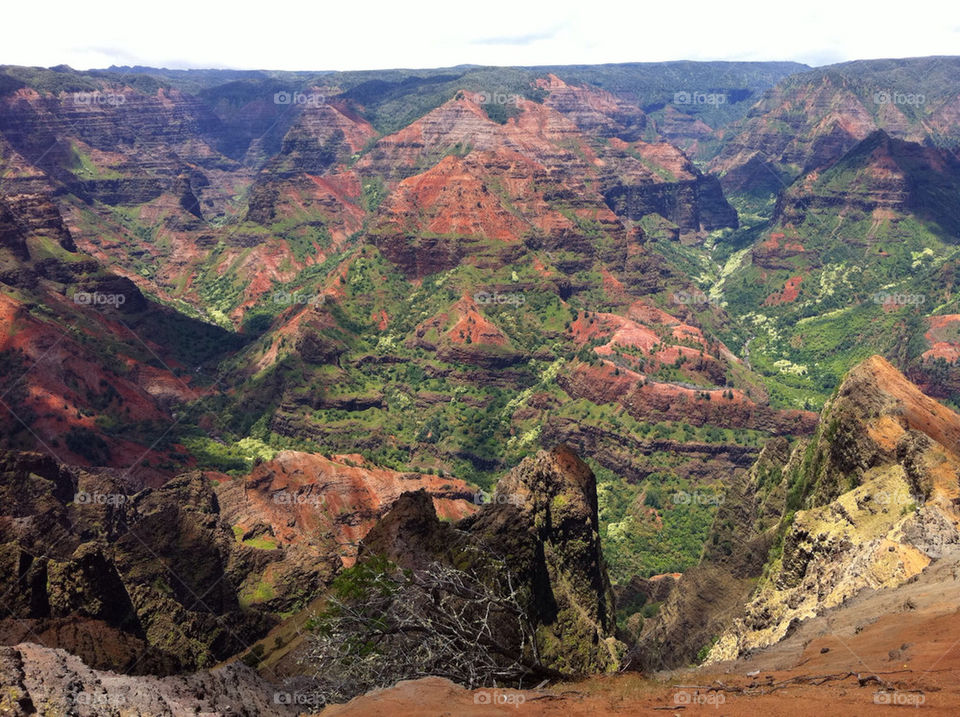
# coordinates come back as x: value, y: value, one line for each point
x: 288, y: 35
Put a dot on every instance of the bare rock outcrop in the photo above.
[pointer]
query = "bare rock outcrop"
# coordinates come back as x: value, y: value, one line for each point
x: 42, y: 680
x: 542, y: 524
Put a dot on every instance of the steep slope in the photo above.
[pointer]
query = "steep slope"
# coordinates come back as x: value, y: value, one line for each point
x: 305, y: 500
x: 857, y: 259
x: 542, y: 523
x: 636, y: 178
x: 468, y: 371
x: 810, y: 119
x: 145, y: 185
x: 190, y: 573
x: 593, y: 110
x: 80, y: 381
x: 881, y: 176
x: 867, y: 503
x: 443, y: 276
x: 84, y: 548
x: 702, y: 602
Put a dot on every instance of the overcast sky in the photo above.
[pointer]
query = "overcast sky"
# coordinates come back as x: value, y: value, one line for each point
x: 353, y: 35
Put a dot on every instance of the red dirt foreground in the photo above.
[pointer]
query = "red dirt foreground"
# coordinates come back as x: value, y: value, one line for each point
x: 876, y: 672
x: 880, y: 653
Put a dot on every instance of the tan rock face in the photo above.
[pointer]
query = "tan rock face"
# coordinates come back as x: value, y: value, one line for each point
x: 884, y: 477
x: 867, y: 503
x: 875, y: 409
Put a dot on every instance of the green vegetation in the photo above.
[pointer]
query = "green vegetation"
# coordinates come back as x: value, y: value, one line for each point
x: 235, y: 458
x: 396, y: 369
x: 655, y: 527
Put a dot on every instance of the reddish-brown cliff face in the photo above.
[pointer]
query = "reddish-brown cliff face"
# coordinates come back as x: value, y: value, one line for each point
x: 882, y: 176
x: 58, y: 385
x: 649, y: 339
x: 462, y: 123
x: 632, y: 178
x: 297, y: 497
x: 809, y: 122
x: 459, y: 196
x: 139, y: 174
x: 646, y: 399
x: 489, y: 208
x: 888, y: 406
x: 464, y: 334
x: 825, y: 119
x: 594, y: 110
x: 944, y: 337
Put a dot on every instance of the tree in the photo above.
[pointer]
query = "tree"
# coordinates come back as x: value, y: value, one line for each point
x: 383, y: 624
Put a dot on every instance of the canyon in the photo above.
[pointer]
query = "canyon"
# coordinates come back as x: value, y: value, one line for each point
x: 668, y: 391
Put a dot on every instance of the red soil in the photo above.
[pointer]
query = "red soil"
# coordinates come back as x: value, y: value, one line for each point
x: 470, y: 323
x: 917, y: 410
x: 62, y: 379
x: 671, y: 402
x: 944, y: 338
x: 298, y: 494
x: 451, y: 198
x: 774, y: 242
x: 789, y: 294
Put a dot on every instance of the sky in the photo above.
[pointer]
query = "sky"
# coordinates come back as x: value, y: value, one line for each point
x: 351, y: 35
